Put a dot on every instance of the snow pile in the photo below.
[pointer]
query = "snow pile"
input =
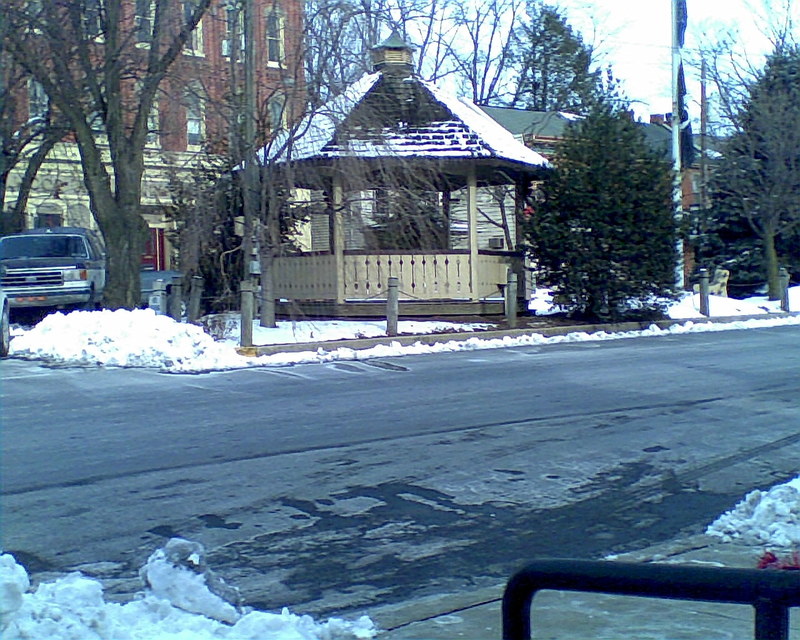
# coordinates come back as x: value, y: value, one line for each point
x: 123, y: 338
x: 178, y: 573
x: 73, y: 608
x: 718, y: 306
x: 769, y: 518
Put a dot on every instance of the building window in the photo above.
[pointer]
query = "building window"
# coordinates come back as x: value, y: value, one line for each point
x: 49, y: 214
x: 194, y: 44
x: 38, y: 102
x: 153, y: 125
x: 274, y: 37
x: 96, y: 122
x: 143, y: 21
x: 194, y: 120
x: 92, y: 18
x: 234, y: 31
x: 48, y: 220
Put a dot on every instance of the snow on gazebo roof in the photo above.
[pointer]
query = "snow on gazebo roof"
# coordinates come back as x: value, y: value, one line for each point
x: 469, y: 133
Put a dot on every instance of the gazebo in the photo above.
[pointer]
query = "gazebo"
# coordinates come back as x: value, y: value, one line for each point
x: 411, y: 182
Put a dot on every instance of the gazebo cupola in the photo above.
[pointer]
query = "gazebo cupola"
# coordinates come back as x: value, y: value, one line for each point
x: 393, y: 54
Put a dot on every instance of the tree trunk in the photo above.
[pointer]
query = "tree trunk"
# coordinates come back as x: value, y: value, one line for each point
x: 771, y: 265
x: 125, y: 233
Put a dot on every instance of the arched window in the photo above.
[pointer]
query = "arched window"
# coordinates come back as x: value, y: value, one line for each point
x: 276, y: 109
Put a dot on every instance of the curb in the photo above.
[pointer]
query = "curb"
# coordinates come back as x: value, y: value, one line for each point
x: 436, y: 338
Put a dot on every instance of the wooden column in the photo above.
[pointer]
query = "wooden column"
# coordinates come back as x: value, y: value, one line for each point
x: 337, y: 234
x: 472, y: 225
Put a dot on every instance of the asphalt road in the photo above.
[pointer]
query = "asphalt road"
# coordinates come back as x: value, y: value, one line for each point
x: 334, y: 488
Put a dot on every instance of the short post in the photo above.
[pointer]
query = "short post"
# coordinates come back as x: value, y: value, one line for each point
x: 510, y: 294
x: 246, y: 322
x: 784, y: 278
x: 175, y: 300
x: 704, y: 293
x: 157, y: 300
x: 771, y: 621
x: 392, y: 306
x: 195, y: 297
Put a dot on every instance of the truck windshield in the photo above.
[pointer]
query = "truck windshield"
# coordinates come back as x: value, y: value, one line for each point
x: 45, y: 246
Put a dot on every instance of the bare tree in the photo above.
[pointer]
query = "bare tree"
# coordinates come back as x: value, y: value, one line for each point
x: 487, y: 62
x: 755, y: 112
x: 102, y: 73
x: 759, y: 174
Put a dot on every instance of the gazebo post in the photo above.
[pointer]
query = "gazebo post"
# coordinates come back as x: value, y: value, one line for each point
x: 472, y: 225
x: 337, y: 197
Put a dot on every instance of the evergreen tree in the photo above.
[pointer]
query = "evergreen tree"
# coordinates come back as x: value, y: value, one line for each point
x: 603, y: 232
x: 554, y: 64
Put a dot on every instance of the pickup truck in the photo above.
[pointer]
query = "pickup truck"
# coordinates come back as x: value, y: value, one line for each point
x: 61, y: 267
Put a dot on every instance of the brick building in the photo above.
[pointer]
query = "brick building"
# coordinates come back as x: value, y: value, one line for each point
x: 193, y: 112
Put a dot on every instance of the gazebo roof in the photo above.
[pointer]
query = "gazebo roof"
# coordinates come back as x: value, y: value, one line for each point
x: 390, y: 116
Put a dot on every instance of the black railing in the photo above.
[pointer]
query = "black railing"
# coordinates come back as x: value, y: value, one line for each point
x: 771, y: 592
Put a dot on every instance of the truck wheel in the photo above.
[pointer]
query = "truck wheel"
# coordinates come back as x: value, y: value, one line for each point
x: 90, y: 304
x: 5, y: 332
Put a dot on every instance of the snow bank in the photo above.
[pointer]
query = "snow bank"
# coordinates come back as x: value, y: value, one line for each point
x: 73, y: 608
x: 140, y: 338
x: 123, y: 338
x: 770, y: 518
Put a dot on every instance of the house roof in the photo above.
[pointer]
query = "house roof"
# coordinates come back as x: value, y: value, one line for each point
x: 547, y: 127
x: 522, y: 122
x: 386, y: 115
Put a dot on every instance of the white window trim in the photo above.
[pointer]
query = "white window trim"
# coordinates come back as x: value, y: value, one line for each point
x: 191, y: 97
x: 195, y: 44
x: 138, y: 18
x: 153, y: 138
x: 226, y: 42
x: 37, y: 97
x: 281, y: 19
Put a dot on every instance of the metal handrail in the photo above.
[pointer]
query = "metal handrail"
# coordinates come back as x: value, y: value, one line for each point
x: 771, y: 592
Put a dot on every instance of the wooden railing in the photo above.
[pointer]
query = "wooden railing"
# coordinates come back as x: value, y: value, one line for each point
x: 423, y: 276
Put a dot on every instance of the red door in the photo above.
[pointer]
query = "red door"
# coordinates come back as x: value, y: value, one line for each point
x: 154, y: 258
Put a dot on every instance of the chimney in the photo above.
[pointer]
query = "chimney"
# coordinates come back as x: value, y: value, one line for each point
x: 656, y: 118
x: 393, y: 54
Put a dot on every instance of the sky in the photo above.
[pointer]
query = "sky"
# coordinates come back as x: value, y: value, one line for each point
x: 179, y: 598
x: 635, y: 37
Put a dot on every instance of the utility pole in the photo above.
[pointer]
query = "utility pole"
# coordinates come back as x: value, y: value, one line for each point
x: 703, y: 135
x: 678, y: 28
x: 250, y: 177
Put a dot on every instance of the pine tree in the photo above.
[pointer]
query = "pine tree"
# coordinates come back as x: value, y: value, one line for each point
x: 554, y: 64
x: 603, y: 232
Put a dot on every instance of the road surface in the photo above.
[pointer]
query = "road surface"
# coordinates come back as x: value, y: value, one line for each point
x: 335, y: 487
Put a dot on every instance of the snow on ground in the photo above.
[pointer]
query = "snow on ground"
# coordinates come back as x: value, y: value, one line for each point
x: 770, y: 518
x: 183, y: 601
x: 141, y: 338
x: 176, y: 604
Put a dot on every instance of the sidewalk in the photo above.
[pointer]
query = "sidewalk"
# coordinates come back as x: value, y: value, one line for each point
x: 573, y: 615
